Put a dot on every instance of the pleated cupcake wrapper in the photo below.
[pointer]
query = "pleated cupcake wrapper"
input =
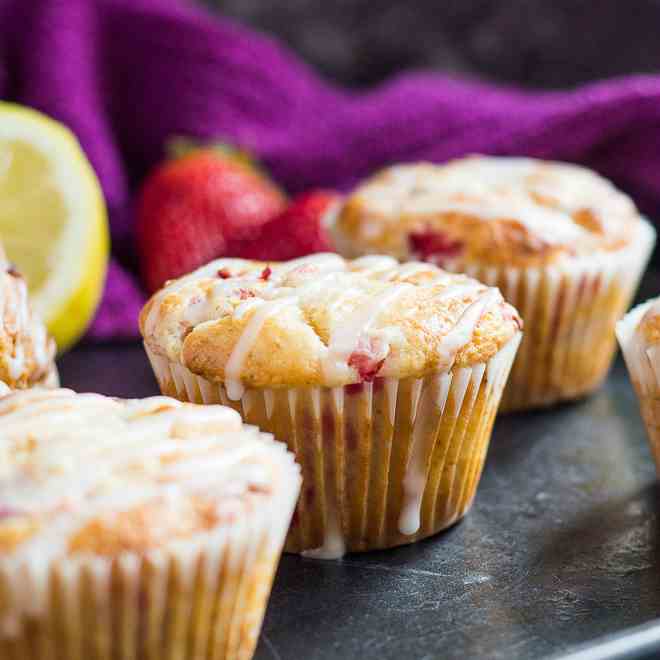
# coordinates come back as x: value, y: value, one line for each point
x: 383, y: 463
x: 643, y: 363
x: 199, y: 600
x: 569, y: 311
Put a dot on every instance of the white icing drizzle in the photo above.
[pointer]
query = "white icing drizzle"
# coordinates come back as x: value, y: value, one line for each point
x: 269, y: 402
x: 415, y: 393
x: 208, y: 271
x: 16, y: 362
x: 344, y: 337
x: 292, y: 396
x: 414, y: 482
x: 235, y: 362
x: 323, y: 262
x: 459, y: 290
x: 131, y: 453
x: 42, y: 355
x: 543, y: 197
x: 411, y: 268
x: 391, y: 387
x: 374, y: 263
x: 461, y: 334
x: 355, y: 305
x: 247, y: 306
x: 334, y: 546
x: 338, y: 396
x: 251, y: 332
x: 554, y: 227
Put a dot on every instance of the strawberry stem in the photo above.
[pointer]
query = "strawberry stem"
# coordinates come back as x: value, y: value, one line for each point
x: 180, y: 146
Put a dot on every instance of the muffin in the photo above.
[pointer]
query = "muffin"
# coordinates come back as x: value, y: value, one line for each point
x: 136, y: 529
x: 639, y: 337
x: 26, y: 352
x: 563, y: 245
x: 383, y: 380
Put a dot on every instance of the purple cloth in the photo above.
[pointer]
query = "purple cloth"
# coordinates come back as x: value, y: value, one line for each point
x: 127, y: 74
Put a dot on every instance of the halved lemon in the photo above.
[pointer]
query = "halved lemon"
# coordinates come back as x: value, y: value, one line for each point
x: 53, y: 220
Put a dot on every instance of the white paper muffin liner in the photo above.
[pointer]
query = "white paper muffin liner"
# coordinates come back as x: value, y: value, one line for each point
x: 569, y: 311
x: 643, y: 363
x: 383, y: 463
x: 199, y: 599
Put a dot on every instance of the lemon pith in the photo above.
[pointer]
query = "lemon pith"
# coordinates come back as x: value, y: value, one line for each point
x: 53, y: 221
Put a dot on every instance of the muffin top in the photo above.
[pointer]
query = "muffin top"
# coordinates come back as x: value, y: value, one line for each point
x: 486, y: 210
x: 322, y: 320
x: 649, y: 325
x: 87, y: 475
x: 26, y: 351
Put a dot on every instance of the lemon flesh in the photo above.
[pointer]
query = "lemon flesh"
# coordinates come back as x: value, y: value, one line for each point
x: 53, y: 221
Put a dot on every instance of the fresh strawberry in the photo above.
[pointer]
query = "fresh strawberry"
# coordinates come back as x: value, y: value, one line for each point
x: 295, y: 232
x: 191, y: 207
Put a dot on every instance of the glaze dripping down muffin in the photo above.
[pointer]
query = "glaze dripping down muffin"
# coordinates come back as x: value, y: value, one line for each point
x: 372, y: 372
x: 237, y: 321
x: 141, y: 502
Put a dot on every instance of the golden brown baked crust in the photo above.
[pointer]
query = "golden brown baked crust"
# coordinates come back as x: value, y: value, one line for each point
x: 485, y: 210
x: 649, y: 325
x: 322, y: 320
x: 84, y: 474
x: 26, y: 352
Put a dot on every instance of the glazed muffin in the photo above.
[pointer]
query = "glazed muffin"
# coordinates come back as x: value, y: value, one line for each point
x: 136, y: 529
x: 639, y: 337
x: 383, y: 379
x: 26, y: 352
x: 564, y: 246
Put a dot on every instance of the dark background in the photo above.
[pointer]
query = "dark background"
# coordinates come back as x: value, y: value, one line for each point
x: 535, y: 43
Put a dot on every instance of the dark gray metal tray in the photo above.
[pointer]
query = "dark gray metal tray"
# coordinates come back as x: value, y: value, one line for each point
x: 561, y: 547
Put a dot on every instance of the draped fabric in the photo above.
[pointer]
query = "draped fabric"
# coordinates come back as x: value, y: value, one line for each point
x: 125, y: 75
